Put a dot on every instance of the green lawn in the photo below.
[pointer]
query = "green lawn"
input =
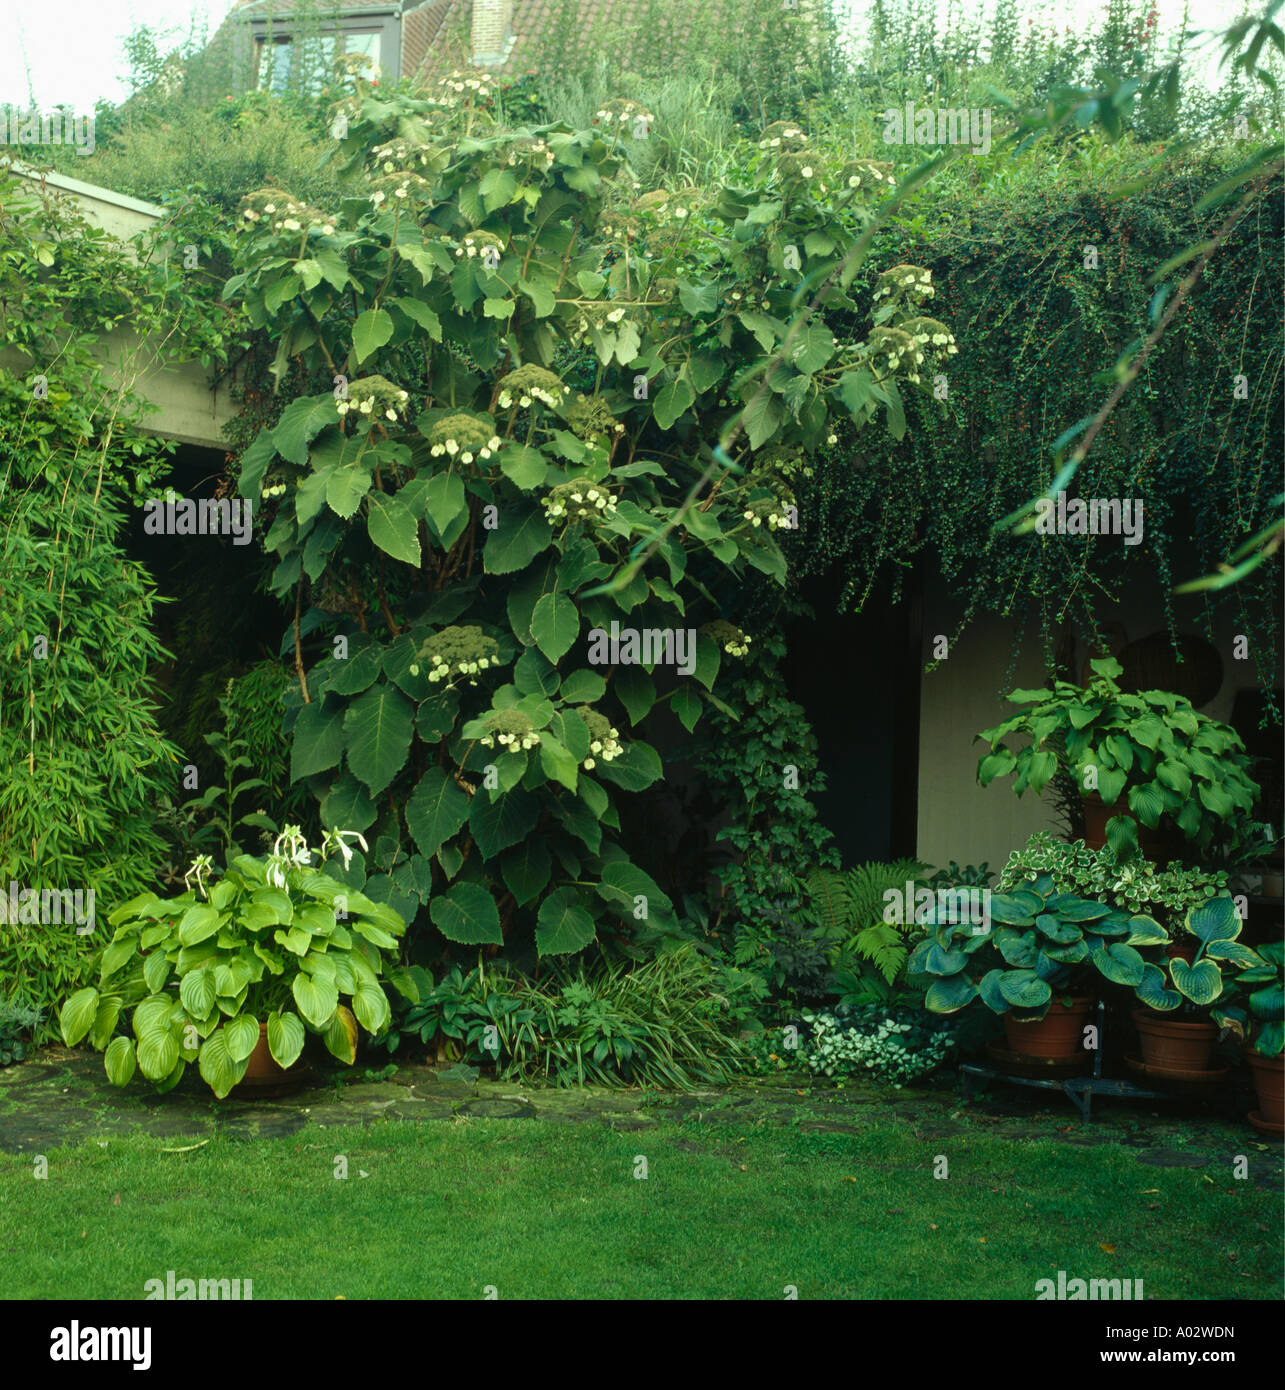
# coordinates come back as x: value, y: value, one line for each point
x: 554, y: 1211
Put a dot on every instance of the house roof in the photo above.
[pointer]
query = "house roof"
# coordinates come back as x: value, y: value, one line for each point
x: 279, y: 9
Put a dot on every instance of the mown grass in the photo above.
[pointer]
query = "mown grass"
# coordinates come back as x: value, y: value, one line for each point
x: 545, y: 1210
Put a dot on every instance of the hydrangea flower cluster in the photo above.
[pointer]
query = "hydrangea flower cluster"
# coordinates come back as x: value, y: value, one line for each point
x: 578, y: 500
x: 866, y: 173
x: 783, y: 135
x: 931, y: 335
x: 396, y: 154
x: 897, y: 1047
x: 398, y: 183
x: 530, y: 150
x: 772, y: 512
x: 802, y: 166
x: 285, y: 214
x: 784, y: 459
x: 893, y: 348
x: 509, y: 729
x: 465, y: 85
x: 728, y: 636
x: 604, y: 741
x: 464, y: 437
x: 457, y: 651
x: 590, y: 419
x: 530, y: 383
x: 904, y: 281
x: 474, y: 243
x: 623, y: 114
x: 374, y: 397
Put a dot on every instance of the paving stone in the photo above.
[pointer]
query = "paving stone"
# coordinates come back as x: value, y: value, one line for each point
x: 497, y: 1108
x: 1171, y: 1158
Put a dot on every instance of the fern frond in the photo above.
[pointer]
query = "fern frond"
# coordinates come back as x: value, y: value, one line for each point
x: 884, y: 947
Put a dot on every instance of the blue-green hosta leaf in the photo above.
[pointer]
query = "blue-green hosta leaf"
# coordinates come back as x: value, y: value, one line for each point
x: 1017, y: 948
x: 1215, y: 920
x: 377, y: 734
x: 989, y: 992
x: 1119, y: 963
x: 1013, y: 909
x: 949, y: 995
x: 466, y: 913
x: 1072, y: 909
x: 1057, y: 930
x: 118, y: 1061
x: 1024, y: 991
x: 1152, y: 991
x: 436, y: 810
x: 563, y: 925
x: 1145, y: 931
x: 286, y: 1036
x: 392, y: 527
x: 1202, y: 983
x: 1235, y: 951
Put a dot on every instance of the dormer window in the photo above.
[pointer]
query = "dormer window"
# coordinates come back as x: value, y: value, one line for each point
x: 299, y: 56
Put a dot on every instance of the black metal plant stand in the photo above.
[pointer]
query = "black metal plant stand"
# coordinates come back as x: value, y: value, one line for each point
x: 1080, y: 1090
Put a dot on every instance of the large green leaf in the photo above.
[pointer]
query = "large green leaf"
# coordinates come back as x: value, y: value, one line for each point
x: 526, y: 868
x: 1152, y: 992
x: 370, y: 1005
x: 555, y: 625
x: 1215, y: 920
x: 243, y: 1036
x: 77, y: 1016
x: 316, y: 998
x: 286, y: 1036
x: 1024, y: 991
x: 949, y: 995
x: 392, y: 527
x: 444, y: 500
x: 521, y: 535
x: 119, y: 1061
x: 377, y: 732
x: 157, y: 1054
x: 495, y: 825
x: 198, y: 923
x: 301, y: 421
x: 1119, y: 963
x: 347, y: 805
x: 370, y: 332
x: 623, y: 884
x: 196, y: 990
x: 563, y: 925
x: 1202, y: 983
x: 218, y: 1069
x: 466, y: 913
x: 318, y: 741
x: 436, y: 810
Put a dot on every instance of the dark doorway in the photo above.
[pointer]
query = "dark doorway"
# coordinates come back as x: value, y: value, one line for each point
x: 857, y: 677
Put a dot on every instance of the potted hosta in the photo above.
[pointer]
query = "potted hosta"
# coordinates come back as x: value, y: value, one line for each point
x: 233, y: 973
x: 1263, y: 1010
x: 1174, y: 1027
x: 1037, y: 965
x: 1152, y: 770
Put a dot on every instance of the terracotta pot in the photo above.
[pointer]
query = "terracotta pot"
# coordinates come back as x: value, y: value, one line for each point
x: 1269, y: 1082
x: 262, y: 1074
x: 1059, y: 1034
x: 1184, y: 948
x: 1168, y: 1042
x: 1159, y: 845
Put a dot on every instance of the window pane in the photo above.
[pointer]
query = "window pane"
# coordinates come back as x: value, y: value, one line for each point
x: 367, y: 44
x: 274, y: 65
x: 315, y: 59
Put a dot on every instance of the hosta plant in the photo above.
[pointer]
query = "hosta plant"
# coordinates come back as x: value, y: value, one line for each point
x: 1261, y: 1009
x: 273, y: 940
x: 1153, y: 749
x: 1040, y: 944
x: 1177, y: 983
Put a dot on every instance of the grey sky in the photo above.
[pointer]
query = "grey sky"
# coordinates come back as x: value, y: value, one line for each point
x: 72, y: 48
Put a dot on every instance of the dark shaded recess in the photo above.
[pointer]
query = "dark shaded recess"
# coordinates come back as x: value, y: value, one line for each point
x: 220, y: 619
x: 857, y: 677
x: 1264, y: 739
